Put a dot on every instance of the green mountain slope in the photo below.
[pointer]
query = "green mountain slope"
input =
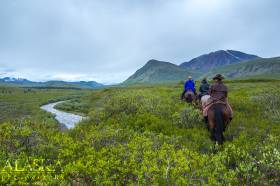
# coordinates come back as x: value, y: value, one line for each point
x: 259, y: 68
x: 154, y: 72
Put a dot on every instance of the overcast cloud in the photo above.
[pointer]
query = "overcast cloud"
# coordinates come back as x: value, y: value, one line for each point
x: 108, y: 40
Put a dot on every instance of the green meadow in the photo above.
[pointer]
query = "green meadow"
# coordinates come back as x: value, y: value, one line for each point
x: 141, y: 135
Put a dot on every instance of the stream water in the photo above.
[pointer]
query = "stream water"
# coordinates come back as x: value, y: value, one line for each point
x: 67, y: 119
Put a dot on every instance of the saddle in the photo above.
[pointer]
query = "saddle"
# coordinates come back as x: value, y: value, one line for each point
x: 210, y: 103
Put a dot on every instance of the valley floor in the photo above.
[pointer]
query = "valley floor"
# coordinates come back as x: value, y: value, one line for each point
x: 139, y: 135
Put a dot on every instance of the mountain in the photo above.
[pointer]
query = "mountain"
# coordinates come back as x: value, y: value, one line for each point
x: 27, y: 83
x: 15, y: 80
x: 232, y: 64
x: 159, y: 72
x: 216, y: 59
x: 258, y: 68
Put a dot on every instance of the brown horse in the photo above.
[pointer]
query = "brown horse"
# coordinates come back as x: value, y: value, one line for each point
x: 218, y: 119
x: 189, y: 97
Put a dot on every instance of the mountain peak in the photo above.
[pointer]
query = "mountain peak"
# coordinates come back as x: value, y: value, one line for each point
x: 218, y: 58
x: 152, y: 61
x: 155, y: 71
x: 157, y: 62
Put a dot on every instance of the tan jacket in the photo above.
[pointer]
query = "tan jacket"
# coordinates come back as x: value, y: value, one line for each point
x: 218, y: 94
x: 219, y: 91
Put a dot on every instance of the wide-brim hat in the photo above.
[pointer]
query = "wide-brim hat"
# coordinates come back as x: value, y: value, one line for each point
x: 189, y: 77
x: 218, y: 76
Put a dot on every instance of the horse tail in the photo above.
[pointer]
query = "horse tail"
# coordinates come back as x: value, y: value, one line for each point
x: 219, y: 124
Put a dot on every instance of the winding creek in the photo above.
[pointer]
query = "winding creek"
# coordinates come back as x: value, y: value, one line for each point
x: 67, y: 119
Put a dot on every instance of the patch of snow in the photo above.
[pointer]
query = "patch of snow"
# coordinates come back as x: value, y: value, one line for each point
x: 233, y: 55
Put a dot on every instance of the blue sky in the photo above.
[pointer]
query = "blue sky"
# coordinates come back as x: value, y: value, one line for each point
x: 108, y: 40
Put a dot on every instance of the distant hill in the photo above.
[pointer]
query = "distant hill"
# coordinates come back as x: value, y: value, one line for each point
x: 19, y: 81
x: 258, y: 68
x: 216, y: 59
x: 80, y: 84
x: 159, y: 72
x: 27, y: 83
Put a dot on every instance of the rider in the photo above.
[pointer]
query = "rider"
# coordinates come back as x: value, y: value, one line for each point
x: 204, y: 88
x: 189, y: 85
x: 218, y: 94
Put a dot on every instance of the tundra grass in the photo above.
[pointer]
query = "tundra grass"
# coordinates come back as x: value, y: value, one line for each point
x: 147, y: 136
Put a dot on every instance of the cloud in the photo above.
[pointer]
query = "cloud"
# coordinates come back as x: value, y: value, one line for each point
x: 108, y: 40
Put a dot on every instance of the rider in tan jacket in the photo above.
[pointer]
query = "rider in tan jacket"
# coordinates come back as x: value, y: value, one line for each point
x: 218, y: 94
x: 218, y: 91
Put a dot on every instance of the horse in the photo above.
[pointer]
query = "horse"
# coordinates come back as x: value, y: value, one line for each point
x: 218, y: 119
x: 189, y: 96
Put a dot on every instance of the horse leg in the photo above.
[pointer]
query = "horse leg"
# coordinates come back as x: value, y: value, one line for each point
x: 212, y: 134
x: 227, y: 119
x: 206, y: 122
x: 211, y: 124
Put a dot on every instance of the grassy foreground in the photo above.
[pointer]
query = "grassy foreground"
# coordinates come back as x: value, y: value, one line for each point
x: 143, y: 135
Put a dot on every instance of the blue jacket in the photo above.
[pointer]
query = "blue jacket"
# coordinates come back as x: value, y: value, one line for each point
x: 189, y: 85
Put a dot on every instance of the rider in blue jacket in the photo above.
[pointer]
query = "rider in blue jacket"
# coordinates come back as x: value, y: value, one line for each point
x: 189, y: 85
